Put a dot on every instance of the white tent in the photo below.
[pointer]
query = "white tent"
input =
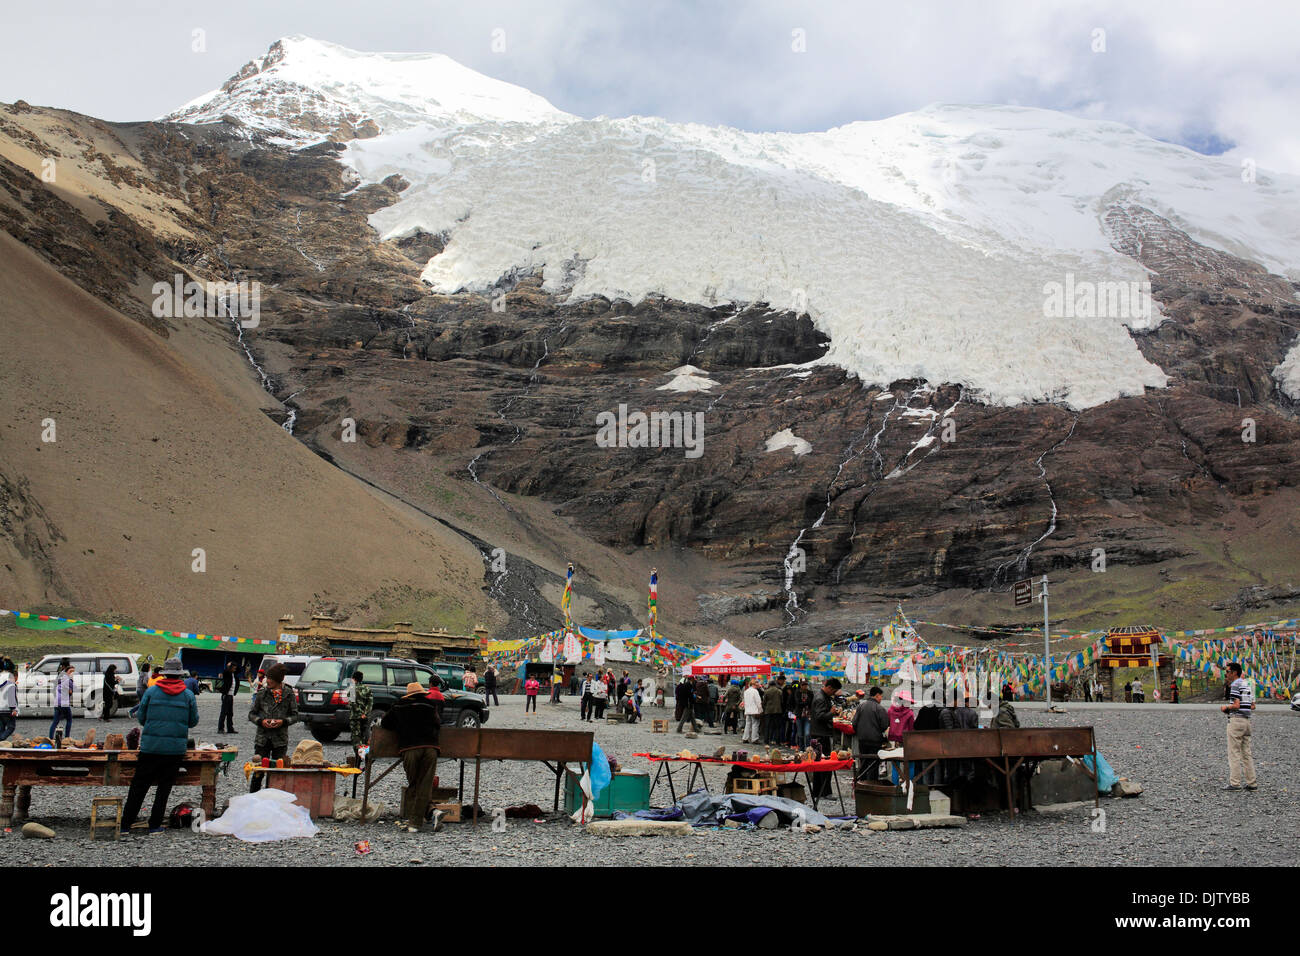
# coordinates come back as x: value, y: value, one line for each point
x: 726, y: 658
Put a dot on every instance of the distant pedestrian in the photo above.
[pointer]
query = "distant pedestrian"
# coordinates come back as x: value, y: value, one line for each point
x: 1128, y: 692
x: 8, y: 700
x: 1139, y: 695
x: 753, y: 705
x: 803, y: 716
x: 1173, y: 691
x: 584, y: 707
x: 772, y: 713
x: 1240, y: 708
x: 1006, y: 718
x: 146, y: 679
x: 703, y: 704
x: 469, y: 678
x: 731, y: 708
x: 599, y: 696
x: 228, y: 687
x: 274, y: 710
x: 490, y: 686
x: 557, y: 681
x: 64, y: 687
x: 1087, y: 691
x: 531, y: 686
x: 110, y: 692
x: 167, y: 712
x: 685, y: 698
x: 361, y: 702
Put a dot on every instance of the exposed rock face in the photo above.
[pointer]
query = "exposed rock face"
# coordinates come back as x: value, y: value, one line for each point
x: 479, y: 409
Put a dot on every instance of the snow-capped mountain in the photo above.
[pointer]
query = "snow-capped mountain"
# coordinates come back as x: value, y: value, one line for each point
x: 935, y: 245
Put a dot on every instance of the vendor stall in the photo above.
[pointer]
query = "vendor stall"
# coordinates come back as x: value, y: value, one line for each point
x: 27, y: 767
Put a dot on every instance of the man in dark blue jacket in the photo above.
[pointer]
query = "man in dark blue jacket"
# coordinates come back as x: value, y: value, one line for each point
x: 167, y: 712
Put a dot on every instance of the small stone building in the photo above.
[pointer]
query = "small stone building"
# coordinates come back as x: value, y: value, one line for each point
x: 323, y: 637
x: 1127, y: 657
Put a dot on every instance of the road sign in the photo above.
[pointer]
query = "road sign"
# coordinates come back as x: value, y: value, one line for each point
x: 1024, y: 592
x: 858, y: 647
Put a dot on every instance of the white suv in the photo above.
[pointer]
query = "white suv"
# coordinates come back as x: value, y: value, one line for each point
x: 36, y: 686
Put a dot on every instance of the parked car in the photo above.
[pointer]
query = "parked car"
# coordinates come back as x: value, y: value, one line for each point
x: 36, y: 686
x: 324, y: 689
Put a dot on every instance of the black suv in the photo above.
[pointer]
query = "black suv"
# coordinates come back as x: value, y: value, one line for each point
x: 323, y: 691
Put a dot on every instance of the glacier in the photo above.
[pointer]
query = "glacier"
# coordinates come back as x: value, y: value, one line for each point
x: 922, y: 244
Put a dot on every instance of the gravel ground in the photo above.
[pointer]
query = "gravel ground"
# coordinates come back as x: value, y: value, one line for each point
x: 1182, y: 818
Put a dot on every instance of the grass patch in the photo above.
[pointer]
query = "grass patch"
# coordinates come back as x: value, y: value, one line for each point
x: 24, y: 644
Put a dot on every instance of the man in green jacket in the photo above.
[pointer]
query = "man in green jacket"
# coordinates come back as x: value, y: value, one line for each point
x: 167, y: 711
x: 275, y: 708
x: 360, y: 704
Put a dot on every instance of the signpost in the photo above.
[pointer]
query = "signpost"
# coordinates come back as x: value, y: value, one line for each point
x: 858, y: 647
x: 1023, y: 592
x: 1047, y: 649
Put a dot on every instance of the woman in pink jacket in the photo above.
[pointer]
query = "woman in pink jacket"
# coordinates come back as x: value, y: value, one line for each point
x: 901, y: 717
x: 530, y: 694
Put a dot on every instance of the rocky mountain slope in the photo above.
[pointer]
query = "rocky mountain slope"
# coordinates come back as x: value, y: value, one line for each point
x: 923, y: 459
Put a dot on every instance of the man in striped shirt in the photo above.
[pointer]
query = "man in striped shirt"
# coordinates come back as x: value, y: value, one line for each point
x: 1241, y: 704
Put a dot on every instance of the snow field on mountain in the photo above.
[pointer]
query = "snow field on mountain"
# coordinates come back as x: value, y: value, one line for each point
x: 921, y: 244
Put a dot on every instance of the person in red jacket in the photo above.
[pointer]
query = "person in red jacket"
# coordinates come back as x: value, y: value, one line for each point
x: 531, y: 687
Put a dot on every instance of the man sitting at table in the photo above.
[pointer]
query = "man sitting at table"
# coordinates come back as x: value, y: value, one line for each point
x: 167, y: 710
x: 416, y: 718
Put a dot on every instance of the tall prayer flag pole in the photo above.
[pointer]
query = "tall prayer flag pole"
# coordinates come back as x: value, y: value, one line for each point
x: 652, y: 602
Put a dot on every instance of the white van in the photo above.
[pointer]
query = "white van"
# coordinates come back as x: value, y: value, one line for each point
x: 294, y: 665
x: 36, y: 686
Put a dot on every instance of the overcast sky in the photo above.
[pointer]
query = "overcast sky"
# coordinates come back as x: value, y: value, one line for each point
x: 1213, y: 76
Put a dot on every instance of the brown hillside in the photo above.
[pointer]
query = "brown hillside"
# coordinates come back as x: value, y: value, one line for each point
x: 153, y: 459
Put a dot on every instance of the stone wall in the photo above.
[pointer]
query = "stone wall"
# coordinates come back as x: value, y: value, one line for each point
x: 322, y: 636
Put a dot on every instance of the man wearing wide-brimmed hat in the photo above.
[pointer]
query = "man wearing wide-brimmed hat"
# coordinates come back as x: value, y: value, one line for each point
x: 416, y: 719
x: 167, y: 711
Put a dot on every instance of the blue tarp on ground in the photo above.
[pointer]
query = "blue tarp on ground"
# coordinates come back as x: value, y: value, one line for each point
x: 702, y: 808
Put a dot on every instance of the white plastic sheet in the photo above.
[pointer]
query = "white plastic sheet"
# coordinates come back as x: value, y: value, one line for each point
x: 263, y: 817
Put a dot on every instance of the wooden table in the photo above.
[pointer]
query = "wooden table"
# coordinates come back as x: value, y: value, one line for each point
x: 831, y: 766
x: 553, y: 748
x: 26, y: 768
x: 1002, y: 749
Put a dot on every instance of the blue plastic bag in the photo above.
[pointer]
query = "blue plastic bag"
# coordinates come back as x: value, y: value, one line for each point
x: 1105, y: 775
x: 600, y: 775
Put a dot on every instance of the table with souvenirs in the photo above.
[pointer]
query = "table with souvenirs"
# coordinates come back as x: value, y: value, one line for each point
x: 764, y: 769
x: 92, y: 766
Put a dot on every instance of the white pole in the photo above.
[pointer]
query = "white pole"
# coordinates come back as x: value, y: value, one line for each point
x: 1047, y: 658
